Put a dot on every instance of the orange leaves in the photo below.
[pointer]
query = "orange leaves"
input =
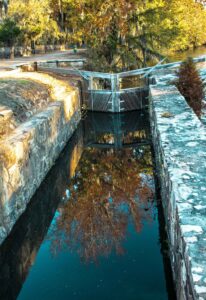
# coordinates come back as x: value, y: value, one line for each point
x: 99, y: 16
x: 107, y: 192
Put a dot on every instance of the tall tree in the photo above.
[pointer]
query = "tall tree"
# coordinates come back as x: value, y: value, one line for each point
x: 123, y: 33
x: 34, y: 19
x: 9, y: 32
x: 190, y: 20
x: 119, y: 34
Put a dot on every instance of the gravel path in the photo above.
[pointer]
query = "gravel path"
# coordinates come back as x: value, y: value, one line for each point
x: 7, y: 63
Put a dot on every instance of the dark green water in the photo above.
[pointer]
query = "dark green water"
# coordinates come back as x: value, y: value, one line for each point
x: 182, y: 55
x: 92, y: 230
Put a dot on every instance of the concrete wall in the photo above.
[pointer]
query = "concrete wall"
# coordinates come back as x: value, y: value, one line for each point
x: 29, y: 152
x: 179, y: 140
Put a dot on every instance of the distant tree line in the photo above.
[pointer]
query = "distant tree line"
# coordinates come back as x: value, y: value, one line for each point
x: 118, y: 33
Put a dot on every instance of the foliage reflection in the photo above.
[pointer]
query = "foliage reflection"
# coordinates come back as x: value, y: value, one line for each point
x: 111, y: 188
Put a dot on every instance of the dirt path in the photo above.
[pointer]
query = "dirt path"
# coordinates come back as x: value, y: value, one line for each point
x: 7, y: 63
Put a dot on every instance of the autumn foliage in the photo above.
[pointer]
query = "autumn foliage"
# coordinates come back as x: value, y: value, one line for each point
x: 190, y: 85
x: 119, y: 34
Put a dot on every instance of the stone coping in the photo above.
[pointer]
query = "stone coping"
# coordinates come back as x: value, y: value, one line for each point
x: 180, y: 141
x: 28, y: 153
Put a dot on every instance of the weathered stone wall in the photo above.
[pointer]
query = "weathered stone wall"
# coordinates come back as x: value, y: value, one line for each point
x: 7, y: 121
x: 29, y: 152
x: 31, y: 228
x: 180, y: 141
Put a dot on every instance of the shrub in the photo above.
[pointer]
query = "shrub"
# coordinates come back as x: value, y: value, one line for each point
x: 190, y: 85
x: 9, y: 32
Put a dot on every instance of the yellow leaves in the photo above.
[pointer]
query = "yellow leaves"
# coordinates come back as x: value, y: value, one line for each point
x: 167, y: 114
x: 190, y: 21
x: 34, y: 18
x: 121, y: 32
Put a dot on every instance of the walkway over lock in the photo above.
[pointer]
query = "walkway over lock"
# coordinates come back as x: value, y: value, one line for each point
x: 109, y: 92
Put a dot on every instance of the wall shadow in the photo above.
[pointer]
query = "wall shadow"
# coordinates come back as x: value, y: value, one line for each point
x: 112, y: 133
x: 18, y: 251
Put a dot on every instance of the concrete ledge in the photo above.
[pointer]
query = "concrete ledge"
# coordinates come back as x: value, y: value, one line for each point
x: 28, y: 154
x: 180, y: 142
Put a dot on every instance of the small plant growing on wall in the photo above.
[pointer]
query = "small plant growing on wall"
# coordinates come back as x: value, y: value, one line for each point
x: 190, y: 85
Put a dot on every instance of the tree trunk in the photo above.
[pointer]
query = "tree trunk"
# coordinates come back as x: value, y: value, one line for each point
x: 12, y: 52
x: 33, y: 51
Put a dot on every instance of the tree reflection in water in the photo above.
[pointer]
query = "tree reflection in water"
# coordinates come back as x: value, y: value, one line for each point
x: 110, y: 188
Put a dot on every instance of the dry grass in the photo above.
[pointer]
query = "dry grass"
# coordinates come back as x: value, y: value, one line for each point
x: 26, y: 93
x: 23, y: 97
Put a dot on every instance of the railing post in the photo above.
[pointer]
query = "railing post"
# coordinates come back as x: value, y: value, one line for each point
x: 91, y: 83
x: 91, y: 88
x: 115, y: 94
x: 35, y: 66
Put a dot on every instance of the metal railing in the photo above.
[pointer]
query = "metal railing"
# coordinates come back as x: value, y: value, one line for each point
x: 103, y: 91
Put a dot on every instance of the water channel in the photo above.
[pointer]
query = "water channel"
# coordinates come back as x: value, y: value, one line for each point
x: 94, y: 229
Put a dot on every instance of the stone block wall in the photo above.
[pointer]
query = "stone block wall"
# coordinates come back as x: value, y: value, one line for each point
x: 27, y: 154
x: 179, y: 140
x: 31, y: 228
x: 7, y: 121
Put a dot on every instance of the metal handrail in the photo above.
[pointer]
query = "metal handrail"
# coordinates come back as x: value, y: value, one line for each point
x: 133, y: 72
x: 153, y: 68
